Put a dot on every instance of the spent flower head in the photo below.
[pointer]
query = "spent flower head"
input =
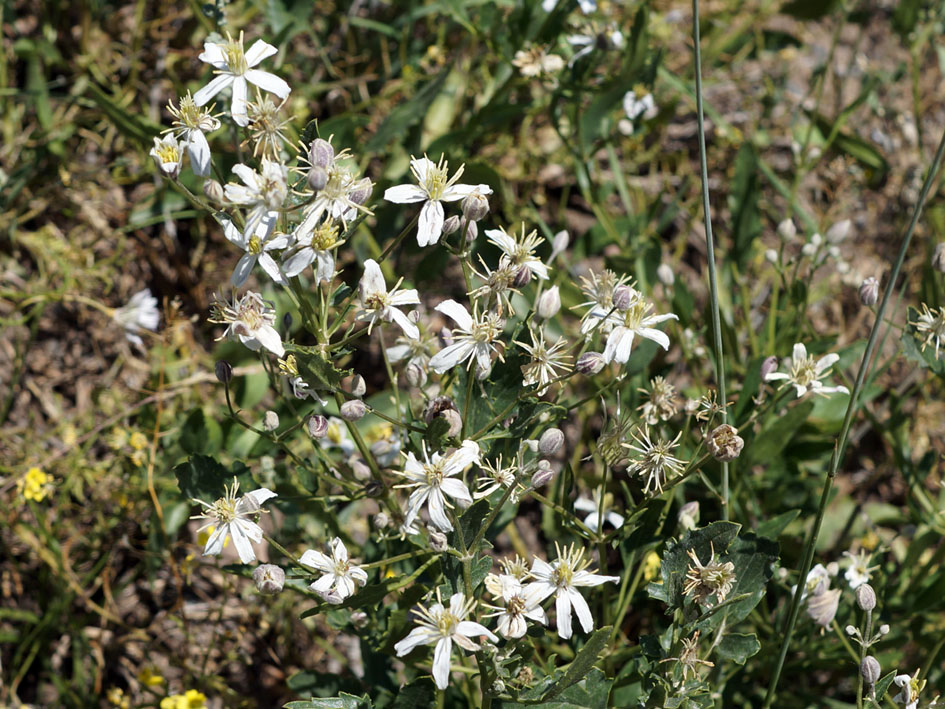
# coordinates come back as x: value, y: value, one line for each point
x: 474, y: 340
x: 931, y: 325
x: 190, y: 125
x: 715, y: 578
x: 653, y: 459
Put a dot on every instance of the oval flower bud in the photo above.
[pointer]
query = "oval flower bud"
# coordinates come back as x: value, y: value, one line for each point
x: 551, y: 441
x: 787, y: 230
x: 361, y: 191
x: 269, y: 579
x: 549, y: 303
x: 271, y: 421
x: 870, y: 670
x: 869, y: 292
x: 450, y: 225
x: 353, y: 410
x: 724, y: 443
x: 317, y: 426
x: 224, y: 371
x: 475, y: 206
x: 623, y: 297
x: 938, y: 258
x: 317, y: 178
x: 213, y: 191
x: 321, y: 154
x: 665, y: 274
x: 590, y: 363
x: 865, y: 597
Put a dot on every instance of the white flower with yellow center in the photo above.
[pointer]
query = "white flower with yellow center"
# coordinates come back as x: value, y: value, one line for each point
x: 234, y: 68
x: 250, y: 320
x: 315, y: 246
x: 931, y: 323
x: 519, y: 250
x: 228, y: 516
x: 342, y: 196
x: 339, y: 573
x: 630, y: 322
x: 435, y: 478
x: 806, y: 373
x: 442, y: 626
x: 473, y: 340
x: 379, y: 304
x: 167, y: 155
x: 262, y: 192
x: 257, y: 248
x: 859, y: 571
x: 562, y: 578
x: 434, y: 186
x: 520, y: 603
x: 190, y: 125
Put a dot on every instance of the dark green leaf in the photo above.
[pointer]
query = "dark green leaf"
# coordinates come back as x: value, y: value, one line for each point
x: 743, y: 202
x: 738, y: 647
x: 342, y: 701
x: 582, y: 663
x: 200, y: 434
x: 772, y: 528
x: 768, y: 444
x: 203, y: 478
x: 407, y: 114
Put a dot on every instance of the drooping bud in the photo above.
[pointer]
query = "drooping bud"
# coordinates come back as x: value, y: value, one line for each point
x: 361, y: 191
x: 559, y: 244
x: 522, y: 278
x: 865, y: 597
x: 787, y: 230
x: 869, y: 292
x: 269, y: 579
x: 724, y: 443
x: 590, y: 363
x: 213, y: 191
x: 551, y: 441
x: 317, y: 178
x: 938, y: 258
x: 271, y: 421
x: 317, y: 426
x: 224, y: 371
x: 870, y: 670
x: 438, y: 541
x: 450, y: 225
x: 688, y: 516
x: 475, y: 206
x: 321, y: 154
x: 771, y: 256
x: 768, y: 366
x: 549, y: 303
x: 353, y: 410
x: 623, y: 297
x: 358, y: 387
x: 544, y: 475
x: 665, y: 274
x: 287, y: 322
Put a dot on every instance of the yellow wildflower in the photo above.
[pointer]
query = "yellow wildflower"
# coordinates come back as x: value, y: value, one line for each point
x: 34, y: 485
x: 651, y: 566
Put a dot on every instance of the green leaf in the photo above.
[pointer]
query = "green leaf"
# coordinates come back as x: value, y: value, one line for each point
x: 882, y: 685
x: 738, y: 647
x: 342, y: 701
x: 203, y: 477
x: 200, y: 434
x: 317, y: 371
x: 768, y: 444
x: 591, y: 692
x: 421, y: 693
x: 743, y: 203
x: 772, y: 528
x: 407, y: 114
x: 582, y: 663
x: 906, y: 16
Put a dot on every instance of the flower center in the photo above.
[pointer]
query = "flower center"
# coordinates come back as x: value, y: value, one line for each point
x: 563, y: 574
x: 434, y: 475
x: 325, y: 236
x: 168, y: 153
x: 486, y: 330
x: 446, y: 623
x: 341, y: 567
x: 437, y: 181
x: 338, y: 185
x: 633, y: 316
x: 804, y: 372
x: 224, y: 509
x: 255, y: 245
x: 516, y: 605
x: 235, y: 59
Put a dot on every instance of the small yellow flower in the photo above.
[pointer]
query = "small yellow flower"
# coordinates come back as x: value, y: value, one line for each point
x: 191, y: 699
x: 34, y: 485
x: 651, y: 566
x: 117, y: 439
x: 116, y: 696
x: 379, y: 432
x: 138, y: 441
x: 204, y: 536
x: 149, y: 678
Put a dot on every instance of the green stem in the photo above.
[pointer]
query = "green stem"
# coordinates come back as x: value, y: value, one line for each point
x: 841, y: 442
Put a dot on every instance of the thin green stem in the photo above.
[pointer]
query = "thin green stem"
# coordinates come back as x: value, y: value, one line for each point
x: 710, y: 244
x: 841, y: 442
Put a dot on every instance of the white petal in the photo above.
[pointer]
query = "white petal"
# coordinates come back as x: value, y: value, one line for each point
x: 404, y: 194
x: 338, y: 549
x: 409, y: 328
x: 619, y: 345
x: 271, y: 268
x: 583, y: 612
x: 243, y: 268
x: 455, y: 192
x: 238, y: 105
x: 269, y: 338
x: 372, y: 282
x: 584, y: 578
x: 502, y: 240
x: 800, y: 352
x: 456, y: 489
x: 323, y: 584
x: 441, y: 662
x: 472, y: 629
x: 249, y: 529
x: 324, y: 266
x: 317, y: 560
x: 421, y: 167
x: 563, y: 615
x: 825, y: 362
x: 408, y: 296
x: 775, y: 376
x: 449, y: 357
x: 417, y: 636
x: 216, y: 541
x: 358, y: 574
x: 658, y: 336
x: 213, y: 54
x: 219, y: 82
x: 259, y: 51
x: 268, y: 82
x: 431, y: 223
x: 298, y: 262
x: 436, y: 507
x: 199, y: 151
x: 457, y: 312
x: 462, y: 458
x: 233, y: 235
x: 243, y: 546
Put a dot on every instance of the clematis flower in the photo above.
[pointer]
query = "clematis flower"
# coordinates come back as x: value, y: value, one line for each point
x: 234, y: 68
x: 520, y: 603
x: 139, y: 313
x: 379, y: 304
x: 316, y: 246
x: 806, y: 374
x: 592, y: 508
x: 167, y: 156
x: 262, y: 192
x: 434, y: 186
x: 228, y: 516
x: 562, y: 578
x: 519, y: 250
x: 339, y: 573
x: 190, y: 125
x: 632, y: 321
x: 473, y: 340
x: 859, y: 571
x: 250, y: 320
x: 434, y: 479
x: 257, y: 248
x: 443, y: 626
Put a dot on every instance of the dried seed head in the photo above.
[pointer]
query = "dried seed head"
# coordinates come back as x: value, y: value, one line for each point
x: 590, y: 363
x: 317, y: 426
x: 353, y: 410
x: 865, y: 597
x: 269, y: 579
x: 869, y: 292
x: 551, y: 441
x: 870, y: 670
x: 724, y: 443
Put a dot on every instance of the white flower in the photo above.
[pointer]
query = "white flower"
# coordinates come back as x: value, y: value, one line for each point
x: 546, y: 361
x: 859, y: 571
x: 314, y: 246
x: 497, y: 476
x: 562, y: 578
x: 228, y: 516
x: 518, y: 251
x: 342, y: 197
x: 610, y: 36
x: 631, y: 322
x: 434, y: 187
x: 592, y: 507
x: 167, y: 155
x: 234, y: 68
x: 443, y: 626
x: 340, y: 574
x: 599, y: 287
x: 644, y: 106
x: 250, y: 320
x: 910, y: 688
x: 806, y: 373
x: 190, y: 125
x: 818, y: 581
x: 433, y: 479
x: 474, y: 339
x: 141, y: 312
x: 257, y: 248
x: 379, y: 304
x: 262, y: 191
x: 520, y: 603
x: 932, y: 324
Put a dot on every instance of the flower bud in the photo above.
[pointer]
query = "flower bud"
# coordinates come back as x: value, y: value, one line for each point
x: 623, y: 297
x: 317, y: 426
x: 724, y: 443
x: 353, y: 410
x: 381, y: 520
x: 224, y: 371
x: 549, y: 303
x: 269, y: 579
x: 450, y: 225
x: 358, y: 386
x: 271, y: 421
x: 361, y: 192
x: 475, y: 206
x: 472, y: 231
x: 551, y: 441
x: 884, y: 629
x: 865, y: 597
x: 870, y: 670
x: 688, y: 517
x: 838, y: 232
x: 483, y: 372
x: 589, y: 363
x: 665, y: 274
x: 452, y: 417
x: 523, y: 277
x: 415, y: 374
x: 544, y: 475
x: 438, y: 541
x: 559, y: 244
x: 768, y: 366
x: 317, y: 178
x: 213, y: 191
x: 287, y: 322
x: 787, y: 230
x: 771, y: 256
x: 361, y: 471
x: 321, y: 154
x: 938, y: 258
x: 869, y: 292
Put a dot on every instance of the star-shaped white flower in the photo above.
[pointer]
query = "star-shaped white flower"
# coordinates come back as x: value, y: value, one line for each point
x: 434, y: 186
x: 339, y: 573
x: 316, y: 246
x: 141, y: 312
x: 562, y: 578
x: 860, y: 570
x: 262, y: 192
x: 234, y: 68
x: 806, y: 374
x: 229, y: 517
x: 443, y: 626
x: 630, y: 322
x: 473, y: 340
x: 379, y: 304
x: 519, y: 251
x: 250, y: 320
x: 257, y: 248
x: 520, y: 603
x: 167, y: 155
x: 190, y: 125
x: 434, y: 479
